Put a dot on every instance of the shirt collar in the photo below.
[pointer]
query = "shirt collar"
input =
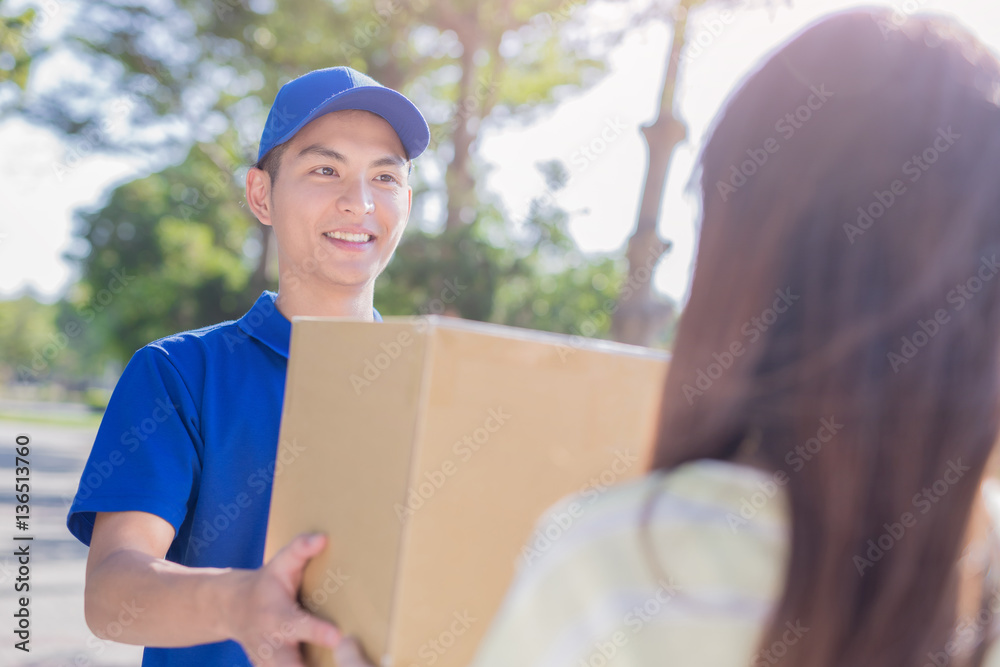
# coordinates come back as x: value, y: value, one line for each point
x: 266, y: 323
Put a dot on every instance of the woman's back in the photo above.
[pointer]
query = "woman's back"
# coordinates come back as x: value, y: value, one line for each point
x: 720, y: 535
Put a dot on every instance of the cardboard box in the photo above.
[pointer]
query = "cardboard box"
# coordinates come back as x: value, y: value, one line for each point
x: 427, y: 449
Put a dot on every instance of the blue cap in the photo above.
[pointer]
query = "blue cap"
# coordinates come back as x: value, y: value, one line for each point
x: 321, y: 91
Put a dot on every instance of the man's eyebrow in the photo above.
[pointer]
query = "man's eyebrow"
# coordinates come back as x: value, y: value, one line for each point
x: 321, y: 150
x: 392, y: 160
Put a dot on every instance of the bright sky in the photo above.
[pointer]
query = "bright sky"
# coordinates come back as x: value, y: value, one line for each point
x: 603, y: 192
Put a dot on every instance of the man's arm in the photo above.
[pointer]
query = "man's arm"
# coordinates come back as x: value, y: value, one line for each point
x: 159, y: 603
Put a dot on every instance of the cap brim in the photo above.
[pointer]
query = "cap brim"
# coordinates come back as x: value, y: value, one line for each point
x: 394, y: 107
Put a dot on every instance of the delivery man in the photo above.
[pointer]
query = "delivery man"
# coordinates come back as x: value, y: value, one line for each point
x: 174, y: 498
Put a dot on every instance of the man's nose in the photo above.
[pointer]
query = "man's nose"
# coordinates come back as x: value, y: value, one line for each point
x: 356, y: 198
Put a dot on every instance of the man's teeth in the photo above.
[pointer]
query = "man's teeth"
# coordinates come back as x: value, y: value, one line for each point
x: 346, y: 236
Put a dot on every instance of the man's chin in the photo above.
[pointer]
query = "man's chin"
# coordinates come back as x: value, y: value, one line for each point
x: 360, y: 281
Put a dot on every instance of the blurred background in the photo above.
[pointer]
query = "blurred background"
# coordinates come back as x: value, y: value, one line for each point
x: 554, y: 195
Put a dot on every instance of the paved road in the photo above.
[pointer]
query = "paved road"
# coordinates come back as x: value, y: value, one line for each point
x: 59, y: 635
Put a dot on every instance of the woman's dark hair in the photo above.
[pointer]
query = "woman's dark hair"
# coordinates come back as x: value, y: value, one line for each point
x: 847, y: 271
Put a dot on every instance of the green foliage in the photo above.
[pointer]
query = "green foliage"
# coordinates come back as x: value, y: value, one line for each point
x: 166, y: 254
x: 455, y: 272
x: 178, y: 249
x: 24, y: 322
x: 206, y: 63
x: 15, y: 60
x: 37, y: 347
x: 532, y: 277
x: 554, y: 287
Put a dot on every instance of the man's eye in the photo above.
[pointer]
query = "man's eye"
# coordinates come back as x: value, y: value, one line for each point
x: 388, y: 178
x: 326, y: 171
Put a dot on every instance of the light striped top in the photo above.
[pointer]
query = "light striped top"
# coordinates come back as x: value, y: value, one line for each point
x: 586, y: 594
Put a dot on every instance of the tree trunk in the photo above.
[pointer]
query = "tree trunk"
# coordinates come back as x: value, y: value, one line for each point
x: 458, y: 178
x: 641, y: 313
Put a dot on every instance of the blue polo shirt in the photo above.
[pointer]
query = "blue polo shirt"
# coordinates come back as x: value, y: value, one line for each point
x: 190, y: 435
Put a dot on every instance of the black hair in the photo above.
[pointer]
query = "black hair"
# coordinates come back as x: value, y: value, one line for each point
x: 271, y: 160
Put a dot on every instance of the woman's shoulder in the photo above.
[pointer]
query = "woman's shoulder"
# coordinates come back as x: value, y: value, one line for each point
x: 669, y: 551
x: 704, y: 492
x: 722, y: 525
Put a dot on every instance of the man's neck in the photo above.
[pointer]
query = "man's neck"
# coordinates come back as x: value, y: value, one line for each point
x: 301, y: 301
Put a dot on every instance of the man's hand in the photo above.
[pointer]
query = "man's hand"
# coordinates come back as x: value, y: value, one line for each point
x: 171, y: 605
x: 267, y: 620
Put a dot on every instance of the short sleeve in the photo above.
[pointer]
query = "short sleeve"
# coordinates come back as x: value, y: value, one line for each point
x: 147, y: 454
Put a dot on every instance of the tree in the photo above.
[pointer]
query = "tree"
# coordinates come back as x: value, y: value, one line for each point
x: 181, y: 236
x: 24, y: 323
x: 15, y: 61
x: 37, y: 346
x: 166, y: 252
x: 533, y: 277
x: 642, y: 314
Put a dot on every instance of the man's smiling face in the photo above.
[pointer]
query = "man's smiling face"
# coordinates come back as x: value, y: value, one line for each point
x: 340, y: 201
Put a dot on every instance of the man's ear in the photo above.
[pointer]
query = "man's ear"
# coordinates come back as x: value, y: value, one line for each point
x: 259, y: 194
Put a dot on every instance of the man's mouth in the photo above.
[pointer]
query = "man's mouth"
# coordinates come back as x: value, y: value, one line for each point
x: 349, y: 237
